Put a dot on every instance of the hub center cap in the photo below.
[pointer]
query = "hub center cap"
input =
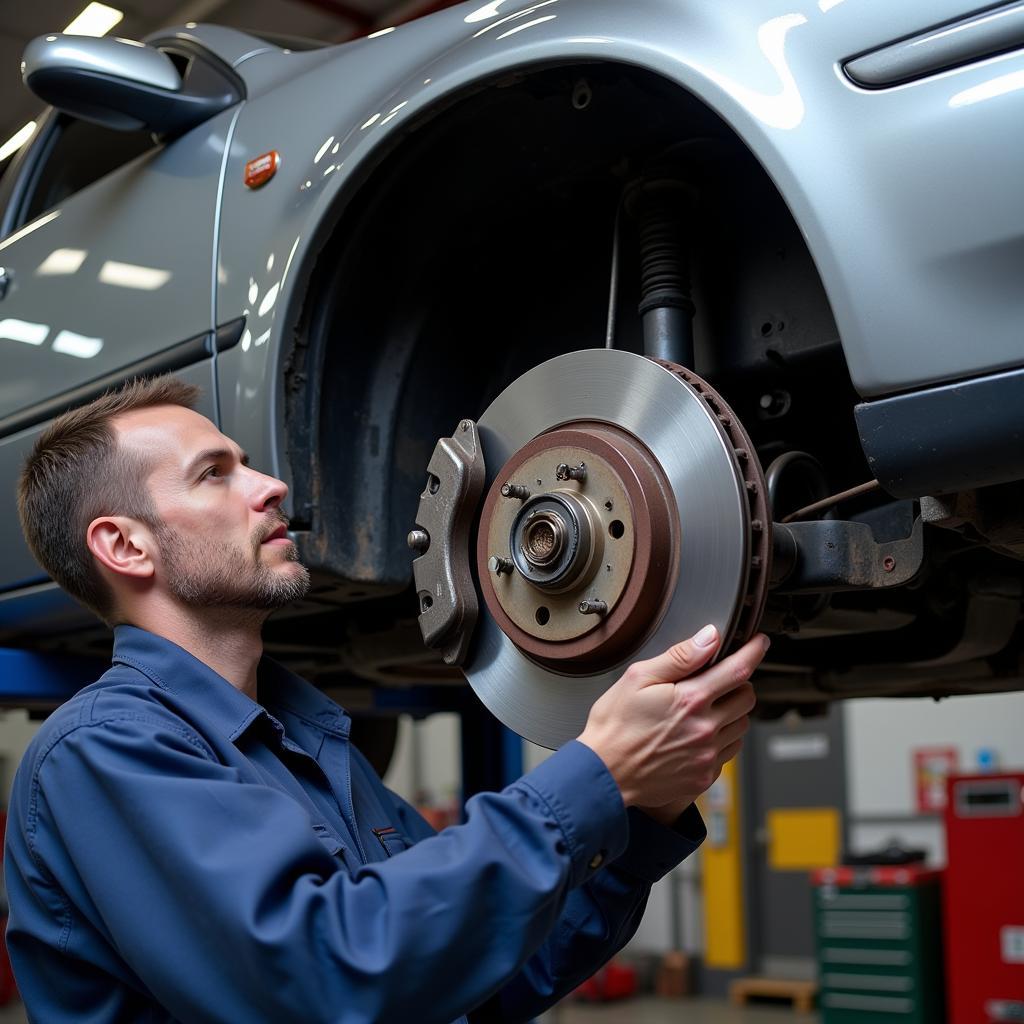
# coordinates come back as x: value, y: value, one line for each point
x: 545, y: 539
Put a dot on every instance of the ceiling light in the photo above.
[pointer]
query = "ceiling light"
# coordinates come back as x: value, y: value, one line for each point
x: 96, y: 20
x: 17, y: 140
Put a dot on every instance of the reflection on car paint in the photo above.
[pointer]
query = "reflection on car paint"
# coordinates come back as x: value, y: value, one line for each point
x: 24, y: 331
x: 519, y: 28
x: 785, y: 108
x: 69, y: 343
x: 62, y: 261
x: 29, y: 228
x: 998, y: 86
x: 267, y: 303
x: 514, y: 16
x: 132, y: 275
x: 483, y: 13
x: 79, y: 345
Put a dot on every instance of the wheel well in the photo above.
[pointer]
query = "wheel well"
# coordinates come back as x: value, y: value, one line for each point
x: 479, y: 246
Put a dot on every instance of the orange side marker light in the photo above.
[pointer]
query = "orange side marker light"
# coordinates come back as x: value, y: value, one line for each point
x: 261, y: 169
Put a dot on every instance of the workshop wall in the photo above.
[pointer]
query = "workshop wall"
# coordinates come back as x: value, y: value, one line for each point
x: 881, y: 738
x: 16, y: 732
x: 426, y: 766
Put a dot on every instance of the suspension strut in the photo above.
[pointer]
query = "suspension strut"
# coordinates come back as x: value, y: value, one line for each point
x: 660, y: 209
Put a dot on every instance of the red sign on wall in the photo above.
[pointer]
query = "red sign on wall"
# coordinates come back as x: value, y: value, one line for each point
x: 931, y: 766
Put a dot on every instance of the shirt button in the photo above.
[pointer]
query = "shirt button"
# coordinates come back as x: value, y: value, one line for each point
x: 596, y: 861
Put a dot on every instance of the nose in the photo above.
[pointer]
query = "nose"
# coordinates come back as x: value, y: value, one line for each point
x: 267, y: 491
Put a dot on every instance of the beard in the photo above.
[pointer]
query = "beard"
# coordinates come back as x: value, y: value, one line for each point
x: 207, y: 573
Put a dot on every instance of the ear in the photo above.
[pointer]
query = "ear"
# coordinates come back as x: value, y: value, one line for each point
x: 123, y: 545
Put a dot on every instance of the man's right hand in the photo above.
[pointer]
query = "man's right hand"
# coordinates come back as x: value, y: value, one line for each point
x: 664, y: 729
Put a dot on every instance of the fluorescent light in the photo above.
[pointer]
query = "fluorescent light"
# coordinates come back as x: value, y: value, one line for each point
x: 381, y: 32
x: 95, y: 20
x: 24, y: 331
x: 131, y: 275
x: 17, y: 140
x: 62, y: 261
x: 78, y: 345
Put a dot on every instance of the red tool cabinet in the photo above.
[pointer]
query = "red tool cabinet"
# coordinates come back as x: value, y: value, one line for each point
x: 983, y: 898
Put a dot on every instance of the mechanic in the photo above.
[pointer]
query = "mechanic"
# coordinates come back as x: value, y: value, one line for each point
x: 193, y: 838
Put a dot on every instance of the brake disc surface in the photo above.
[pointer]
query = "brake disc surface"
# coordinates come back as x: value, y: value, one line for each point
x: 681, y: 436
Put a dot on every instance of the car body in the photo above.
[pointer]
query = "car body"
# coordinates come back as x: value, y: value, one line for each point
x: 444, y: 215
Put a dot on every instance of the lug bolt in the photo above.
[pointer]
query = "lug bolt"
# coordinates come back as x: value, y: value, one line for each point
x: 511, y: 490
x: 567, y: 472
x: 418, y: 540
x: 592, y: 606
x: 499, y: 565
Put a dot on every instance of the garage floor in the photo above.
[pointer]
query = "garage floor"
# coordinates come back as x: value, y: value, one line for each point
x: 675, y: 1011
x: 634, y: 1011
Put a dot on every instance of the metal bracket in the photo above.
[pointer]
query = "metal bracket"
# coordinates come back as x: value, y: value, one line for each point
x: 444, y: 582
x: 831, y: 554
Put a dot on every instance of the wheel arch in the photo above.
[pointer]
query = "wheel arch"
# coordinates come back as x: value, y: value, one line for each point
x: 345, y: 405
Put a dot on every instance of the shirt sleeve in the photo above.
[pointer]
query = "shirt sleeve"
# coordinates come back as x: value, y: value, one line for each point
x: 601, y: 915
x: 220, y: 898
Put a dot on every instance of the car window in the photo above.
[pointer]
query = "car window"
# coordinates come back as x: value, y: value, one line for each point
x: 75, y: 154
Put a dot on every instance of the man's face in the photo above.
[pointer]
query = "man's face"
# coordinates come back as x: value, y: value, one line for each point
x: 220, y: 527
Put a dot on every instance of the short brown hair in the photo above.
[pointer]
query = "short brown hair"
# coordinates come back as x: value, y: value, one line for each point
x: 77, y: 472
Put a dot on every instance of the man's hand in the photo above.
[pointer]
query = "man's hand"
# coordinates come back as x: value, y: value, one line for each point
x: 664, y: 732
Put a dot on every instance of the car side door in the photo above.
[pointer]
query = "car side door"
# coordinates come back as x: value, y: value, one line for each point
x: 101, y: 280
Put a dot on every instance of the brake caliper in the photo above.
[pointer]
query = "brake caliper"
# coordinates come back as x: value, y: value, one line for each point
x: 444, y: 523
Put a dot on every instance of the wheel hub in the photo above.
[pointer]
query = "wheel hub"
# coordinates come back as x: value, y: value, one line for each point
x: 623, y: 509
x: 592, y: 553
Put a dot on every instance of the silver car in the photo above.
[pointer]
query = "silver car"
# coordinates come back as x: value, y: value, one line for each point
x: 770, y: 251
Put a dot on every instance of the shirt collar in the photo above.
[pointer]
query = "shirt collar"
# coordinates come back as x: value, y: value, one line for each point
x: 280, y: 688
x: 212, y: 696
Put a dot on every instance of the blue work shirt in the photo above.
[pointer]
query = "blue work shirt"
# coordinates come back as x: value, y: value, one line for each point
x: 179, y: 852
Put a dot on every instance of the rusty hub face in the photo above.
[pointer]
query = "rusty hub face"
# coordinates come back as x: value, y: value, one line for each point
x: 605, y: 540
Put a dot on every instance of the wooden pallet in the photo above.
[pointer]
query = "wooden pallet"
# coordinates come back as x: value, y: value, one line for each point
x: 801, y: 993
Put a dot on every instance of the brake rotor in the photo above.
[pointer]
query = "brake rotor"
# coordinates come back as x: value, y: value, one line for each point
x: 624, y: 509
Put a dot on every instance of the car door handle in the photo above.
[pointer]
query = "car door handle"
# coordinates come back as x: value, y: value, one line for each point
x: 5, y: 280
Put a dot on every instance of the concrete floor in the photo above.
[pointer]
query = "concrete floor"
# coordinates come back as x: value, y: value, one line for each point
x: 632, y: 1011
x: 649, y: 1010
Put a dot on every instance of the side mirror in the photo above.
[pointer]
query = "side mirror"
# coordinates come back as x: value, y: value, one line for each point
x: 122, y: 84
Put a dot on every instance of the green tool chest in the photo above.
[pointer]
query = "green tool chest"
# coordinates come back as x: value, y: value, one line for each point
x: 879, y: 938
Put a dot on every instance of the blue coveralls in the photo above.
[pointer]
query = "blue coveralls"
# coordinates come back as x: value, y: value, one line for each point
x: 178, y: 852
